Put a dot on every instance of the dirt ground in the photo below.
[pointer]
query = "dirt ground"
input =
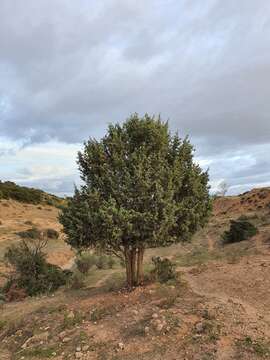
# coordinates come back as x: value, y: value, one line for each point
x: 216, y: 311
x: 218, y: 308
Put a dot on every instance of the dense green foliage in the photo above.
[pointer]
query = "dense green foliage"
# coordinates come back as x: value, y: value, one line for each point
x: 31, y: 272
x: 10, y: 190
x: 240, y: 230
x: 164, y: 269
x: 141, y: 189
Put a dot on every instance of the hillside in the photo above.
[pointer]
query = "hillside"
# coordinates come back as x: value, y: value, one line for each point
x: 10, y: 190
x: 219, y: 308
x: 250, y: 201
x: 17, y: 216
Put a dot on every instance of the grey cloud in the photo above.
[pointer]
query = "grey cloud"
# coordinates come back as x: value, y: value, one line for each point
x: 203, y: 66
x: 67, y: 69
x: 242, y: 169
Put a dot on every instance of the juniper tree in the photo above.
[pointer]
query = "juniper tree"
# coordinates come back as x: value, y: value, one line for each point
x: 141, y: 189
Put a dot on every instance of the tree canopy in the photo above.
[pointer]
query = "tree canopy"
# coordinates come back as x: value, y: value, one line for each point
x: 141, y: 189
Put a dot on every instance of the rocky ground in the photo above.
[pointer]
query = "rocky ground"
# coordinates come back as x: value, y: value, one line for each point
x: 203, y: 315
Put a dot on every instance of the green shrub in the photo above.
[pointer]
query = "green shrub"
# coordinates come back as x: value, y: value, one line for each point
x: 85, y: 262
x: 240, y: 230
x: 32, y: 233
x: 102, y: 262
x: 50, y: 202
x: 51, y: 234
x: 31, y: 270
x: 164, y: 269
x: 77, y: 280
x: 115, y: 282
x: 105, y: 261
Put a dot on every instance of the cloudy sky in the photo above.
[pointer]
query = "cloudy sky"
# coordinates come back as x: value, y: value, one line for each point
x: 68, y: 68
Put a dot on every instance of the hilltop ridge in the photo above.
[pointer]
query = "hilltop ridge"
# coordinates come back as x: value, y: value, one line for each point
x: 10, y: 190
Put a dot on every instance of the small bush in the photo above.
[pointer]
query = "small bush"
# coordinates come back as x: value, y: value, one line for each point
x: 240, y: 230
x: 51, y: 234
x: 105, y: 262
x: 32, y: 233
x: 77, y: 281
x: 85, y: 262
x: 102, y: 262
x: 49, y: 202
x: 164, y: 269
x: 2, y: 324
x: 115, y: 282
x: 31, y: 272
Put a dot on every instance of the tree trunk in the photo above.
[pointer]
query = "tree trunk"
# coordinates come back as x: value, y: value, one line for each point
x: 133, y: 255
x: 134, y: 266
x: 140, y: 266
x: 128, y: 267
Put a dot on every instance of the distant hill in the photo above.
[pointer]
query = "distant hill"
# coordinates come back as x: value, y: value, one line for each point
x: 10, y: 190
x: 255, y: 200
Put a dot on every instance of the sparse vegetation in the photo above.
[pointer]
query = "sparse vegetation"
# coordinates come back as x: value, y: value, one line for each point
x: 85, y: 262
x: 102, y: 262
x: 76, y: 280
x: 115, y: 282
x: 38, y: 352
x: 258, y: 346
x: 35, y: 233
